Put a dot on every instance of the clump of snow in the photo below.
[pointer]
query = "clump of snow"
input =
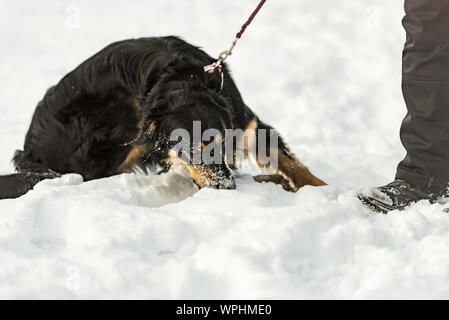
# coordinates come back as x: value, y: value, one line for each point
x: 325, y: 73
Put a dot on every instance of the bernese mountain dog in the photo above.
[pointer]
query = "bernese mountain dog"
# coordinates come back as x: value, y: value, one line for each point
x: 116, y: 112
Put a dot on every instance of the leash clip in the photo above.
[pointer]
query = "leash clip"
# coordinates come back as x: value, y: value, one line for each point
x: 218, y: 64
x: 224, y: 55
x: 221, y: 58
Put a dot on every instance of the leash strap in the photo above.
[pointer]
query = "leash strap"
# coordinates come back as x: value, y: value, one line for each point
x: 250, y: 19
x: 226, y: 53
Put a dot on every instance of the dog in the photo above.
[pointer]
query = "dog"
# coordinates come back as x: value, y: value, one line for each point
x: 116, y: 111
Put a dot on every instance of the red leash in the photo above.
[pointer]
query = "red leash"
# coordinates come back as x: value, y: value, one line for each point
x: 251, y: 17
x: 225, y: 54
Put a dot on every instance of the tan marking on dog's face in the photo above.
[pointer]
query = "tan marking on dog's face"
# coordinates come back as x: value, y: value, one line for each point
x: 199, y: 148
x: 131, y: 159
x: 136, y: 107
x: 135, y: 104
x: 218, y: 139
x: 173, y: 157
x: 151, y: 127
x: 201, y: 175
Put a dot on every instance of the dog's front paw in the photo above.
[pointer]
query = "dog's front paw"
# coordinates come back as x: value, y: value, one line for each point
x: 275, y: 178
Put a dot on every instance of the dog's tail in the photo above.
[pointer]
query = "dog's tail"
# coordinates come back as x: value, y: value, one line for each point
x: 29, y: 174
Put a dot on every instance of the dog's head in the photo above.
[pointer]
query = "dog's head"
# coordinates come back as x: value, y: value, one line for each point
x: 185, y: 125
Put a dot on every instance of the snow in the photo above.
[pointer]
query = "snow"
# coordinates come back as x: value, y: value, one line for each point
x: 325, y: 73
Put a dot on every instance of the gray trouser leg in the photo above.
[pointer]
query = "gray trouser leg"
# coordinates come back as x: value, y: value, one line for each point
x: 425, y: 86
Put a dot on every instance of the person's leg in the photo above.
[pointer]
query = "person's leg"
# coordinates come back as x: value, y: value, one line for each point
x: 425, y: 85
x: 424, y: 173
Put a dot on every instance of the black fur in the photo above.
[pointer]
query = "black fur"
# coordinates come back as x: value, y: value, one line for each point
x: 92, y: 118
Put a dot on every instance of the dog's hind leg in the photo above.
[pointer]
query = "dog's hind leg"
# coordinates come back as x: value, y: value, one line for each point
x: 29, y: 174
x: 287, y: 170
x: 17, y: 184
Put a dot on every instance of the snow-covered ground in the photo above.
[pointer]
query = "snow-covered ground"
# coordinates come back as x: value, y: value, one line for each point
x: 326, y: 73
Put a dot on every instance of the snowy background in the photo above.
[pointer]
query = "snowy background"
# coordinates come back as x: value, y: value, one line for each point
x: 326, y: 73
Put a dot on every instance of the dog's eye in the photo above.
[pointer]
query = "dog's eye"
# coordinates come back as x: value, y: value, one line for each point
x: 191, y: 76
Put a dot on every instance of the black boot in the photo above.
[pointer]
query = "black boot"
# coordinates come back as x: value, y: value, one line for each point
x: 398, y: 195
